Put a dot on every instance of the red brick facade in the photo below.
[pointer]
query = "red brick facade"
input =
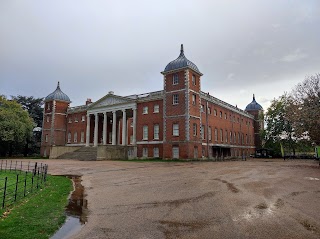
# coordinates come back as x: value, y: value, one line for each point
x: 179, y: 122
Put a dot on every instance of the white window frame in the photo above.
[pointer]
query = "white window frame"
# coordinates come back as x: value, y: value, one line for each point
x: 194, y: 81
x: 175, y: 79
x: 156, y: 108
x: 156, y: 129
x: 82, y: 137
x: 75, y: 137
x: 209, y: 133
x: 202, y: 132
x: 145, y: 132
x: 69, y: 137
x: 83, y: 118
x: 194, y: 127
x: 75, y: 119
x: 145, y: 110
x: 46, y: 138
x: 48, y: 119
x: 194, y: 98
x: 221, y: 135
x: 175, y: 129
x: 145, y: 152
x: 156, y: 152
x: 175, y: 152
x: 175, y: 99
x: 70, y: 120
x: 216, y: 134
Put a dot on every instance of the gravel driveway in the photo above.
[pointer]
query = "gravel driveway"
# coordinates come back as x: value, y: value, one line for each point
x: 258, y: 198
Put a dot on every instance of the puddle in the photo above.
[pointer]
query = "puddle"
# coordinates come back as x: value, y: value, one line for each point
x: 76, y: 211
x: 312, y: 179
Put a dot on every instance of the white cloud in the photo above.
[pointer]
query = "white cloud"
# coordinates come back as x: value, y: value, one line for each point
x: 296, y: 55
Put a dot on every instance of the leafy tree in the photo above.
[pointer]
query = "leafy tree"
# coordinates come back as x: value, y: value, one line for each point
x: 15, y: 126
x: 279, y: 128
x: 305, y: 109
x: 33, y: 106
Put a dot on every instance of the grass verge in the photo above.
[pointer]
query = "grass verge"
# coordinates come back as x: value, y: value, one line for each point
x: 40, y: 214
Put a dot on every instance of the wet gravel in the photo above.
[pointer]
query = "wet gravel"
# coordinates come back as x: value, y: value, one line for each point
x: 238, y: 199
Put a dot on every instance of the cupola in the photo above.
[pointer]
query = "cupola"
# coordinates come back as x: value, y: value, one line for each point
x: 57, y: 95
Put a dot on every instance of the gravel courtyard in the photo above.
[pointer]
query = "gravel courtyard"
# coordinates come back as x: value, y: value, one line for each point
x: 258, y: 198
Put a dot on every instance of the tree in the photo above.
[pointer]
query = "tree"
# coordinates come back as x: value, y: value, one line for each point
x: 305, y: 108
x: 33, y: 106
x: 279, y: 128
x: 15, y: 126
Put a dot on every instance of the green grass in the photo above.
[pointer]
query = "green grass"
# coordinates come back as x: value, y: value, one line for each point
x: 39, y: 214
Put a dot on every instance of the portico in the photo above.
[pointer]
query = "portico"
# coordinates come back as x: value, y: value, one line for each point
x: 109, y: 121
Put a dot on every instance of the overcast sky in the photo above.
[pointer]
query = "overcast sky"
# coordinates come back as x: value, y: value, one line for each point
x: 93, y: 47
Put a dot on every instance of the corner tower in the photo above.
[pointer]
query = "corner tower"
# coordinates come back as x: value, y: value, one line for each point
x: 257, y: 111
x: 181, y: 114
x: 54, y: 120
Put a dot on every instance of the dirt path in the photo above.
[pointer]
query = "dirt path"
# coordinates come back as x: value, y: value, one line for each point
x: 243, y: 199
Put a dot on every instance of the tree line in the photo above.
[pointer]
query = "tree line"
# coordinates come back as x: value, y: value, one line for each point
x: 293, y: 119
x: 20, y: 125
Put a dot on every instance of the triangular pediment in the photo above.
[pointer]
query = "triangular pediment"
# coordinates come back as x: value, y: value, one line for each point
x: 109, y: 100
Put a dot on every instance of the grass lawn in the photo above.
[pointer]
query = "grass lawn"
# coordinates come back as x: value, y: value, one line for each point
x: 39, y: 214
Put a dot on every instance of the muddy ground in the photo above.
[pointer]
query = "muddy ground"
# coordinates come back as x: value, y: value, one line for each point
x: 258, y: 198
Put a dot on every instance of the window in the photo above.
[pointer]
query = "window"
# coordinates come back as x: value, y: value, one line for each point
x: 145, y: 132
x: 82, y: 137
x: 156, y: 131
x: 202, y: 108
x: 48, y: 118
x: 75, y: 137
x: 215, y: 112
x: 48, y: 106
x: 226, y: 136
x: 194, y: 80
x: 209, y: 133
x: 194, y: 99
x: 230, y: 117
x: 202, y: 132
x: 175, y: 152
x: 238, y: 120
x: 46, y: 138
x: 216, y: 134
x: 175, y: 129
x: 110, y: 137
x: 234, y: 138
x: 131, y: 124
x: 145, y: 152
x: 156, y: 152
x: 83, y: 118
x: 209, y: 110
x: 225, y: 115
x: 70, y: 120
x: 230, y: 137
x: 175, y: 79
x: 156, y: 109
x: 246, y: 139
x: 220, y: 114
x: 145, y: 110
x: 221, y: 135
x: 131, y: 139
x: 239, y: 138
x: 75, y: 119
x: 175, y: 99
x: 69, y: 137
x: 194, y: 129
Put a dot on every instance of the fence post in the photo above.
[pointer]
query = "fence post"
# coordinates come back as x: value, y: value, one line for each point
x: 25, y: 184
x: 35, y: 168
x: 4, y: 191
x: 15, y: 193
x: 5, y: 169
x: 10, y: 164
x: 32, y: 182
x: 37, y: 174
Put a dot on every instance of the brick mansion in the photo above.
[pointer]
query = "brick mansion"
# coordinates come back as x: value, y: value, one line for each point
x: 180, y: 121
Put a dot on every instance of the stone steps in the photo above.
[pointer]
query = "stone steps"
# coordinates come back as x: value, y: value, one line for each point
x: 84, y: 154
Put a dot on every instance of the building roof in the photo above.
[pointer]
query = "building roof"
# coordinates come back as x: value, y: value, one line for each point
x: 58, y: 95
x: 181, y: 62
x: 253, y: 105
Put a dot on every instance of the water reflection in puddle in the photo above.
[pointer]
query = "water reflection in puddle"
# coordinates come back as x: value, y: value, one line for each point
x: 76, y: 211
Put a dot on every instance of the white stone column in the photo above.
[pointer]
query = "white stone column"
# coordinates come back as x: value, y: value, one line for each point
x: 124, y: 126
x: 134, y: 130
x: 104, y: 136
x: 88, y: 131
x: 114, y: 127
x: 95, y: 142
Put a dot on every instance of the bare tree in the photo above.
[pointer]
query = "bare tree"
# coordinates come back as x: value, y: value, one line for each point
x: 305, y: 108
